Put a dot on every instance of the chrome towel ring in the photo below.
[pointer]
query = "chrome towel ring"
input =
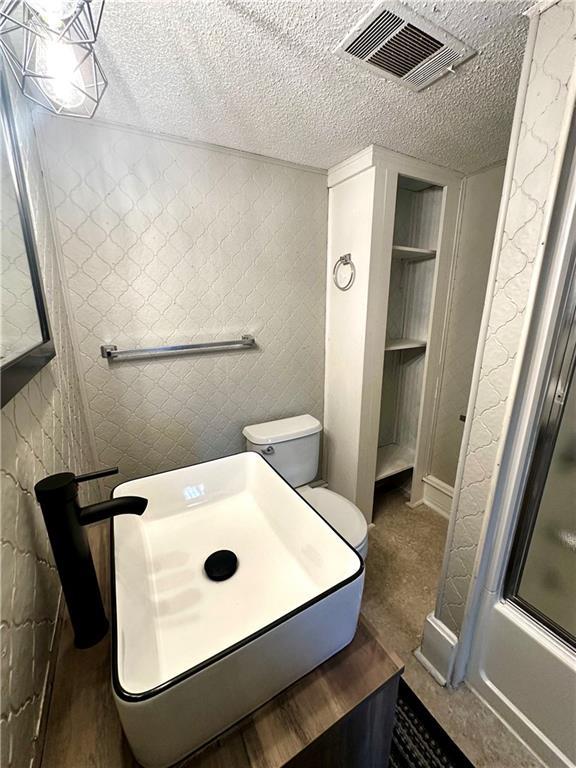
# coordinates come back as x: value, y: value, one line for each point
x: 345, y: 260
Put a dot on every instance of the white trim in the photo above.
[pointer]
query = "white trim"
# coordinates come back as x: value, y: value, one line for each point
x: 490, y: 289
x: 432, y: 671
x: 486, y: 168
x: 351, y: 166
x: 437, y: 649
x: 540, y: 7
x: 112, y: 125
x: 437, y: 495
x: 405, y: 165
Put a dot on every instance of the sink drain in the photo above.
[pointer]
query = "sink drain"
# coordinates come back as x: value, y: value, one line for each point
x: 220, y: 565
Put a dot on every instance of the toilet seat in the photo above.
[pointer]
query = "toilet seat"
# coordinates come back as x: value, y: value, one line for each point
x: 342, y: 515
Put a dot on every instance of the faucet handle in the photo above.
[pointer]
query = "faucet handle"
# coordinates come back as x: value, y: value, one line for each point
x: 96, y: 475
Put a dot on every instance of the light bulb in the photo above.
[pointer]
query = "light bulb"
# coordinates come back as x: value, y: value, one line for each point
x: 60, y: 79
x: 53, y: 12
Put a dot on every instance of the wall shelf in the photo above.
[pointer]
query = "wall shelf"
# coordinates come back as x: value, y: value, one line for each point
x: 392, y: 459
x: 408, y: 253
x: 393, y: 345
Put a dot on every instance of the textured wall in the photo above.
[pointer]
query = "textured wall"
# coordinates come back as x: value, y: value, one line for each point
x: 165, y: 243
x: 474, y: 251
x: 19, y: 324
x: 43, y: 430
x: 546, y: 102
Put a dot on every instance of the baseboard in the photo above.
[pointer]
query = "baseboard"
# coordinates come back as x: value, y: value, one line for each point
x: 437, y: 495
x: 437, y: 650
x: 414, y: 504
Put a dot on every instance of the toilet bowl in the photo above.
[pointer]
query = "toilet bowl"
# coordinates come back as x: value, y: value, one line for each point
x: 342, y: 515
x: 292, y: 447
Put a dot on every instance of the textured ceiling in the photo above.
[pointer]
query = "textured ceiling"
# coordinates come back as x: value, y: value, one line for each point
x: 260, y: 75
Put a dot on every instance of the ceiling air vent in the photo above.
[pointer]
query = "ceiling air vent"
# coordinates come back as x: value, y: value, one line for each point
x: 405, y: 48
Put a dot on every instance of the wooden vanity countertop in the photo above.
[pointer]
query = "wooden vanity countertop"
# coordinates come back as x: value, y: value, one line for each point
x: 83, y: 729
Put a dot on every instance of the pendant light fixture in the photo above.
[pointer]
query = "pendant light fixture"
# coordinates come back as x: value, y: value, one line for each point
x: 48, y: 45
x: 77, y: 21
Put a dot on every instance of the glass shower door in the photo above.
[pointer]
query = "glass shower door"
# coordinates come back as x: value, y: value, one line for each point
x: 542, y: 572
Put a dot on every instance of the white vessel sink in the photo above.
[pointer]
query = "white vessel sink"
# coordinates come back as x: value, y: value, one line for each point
x: 193, y: 656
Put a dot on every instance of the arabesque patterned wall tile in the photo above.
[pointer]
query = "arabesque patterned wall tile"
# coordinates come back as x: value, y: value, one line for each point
x: 43, y: 430
x: 168, y: 243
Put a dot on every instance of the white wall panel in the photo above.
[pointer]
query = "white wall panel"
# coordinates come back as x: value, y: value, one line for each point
x: 418, y: 284
x: 410, y: 386
x: 474, y: 250
x: 350, y: 214
x: 425, y: 218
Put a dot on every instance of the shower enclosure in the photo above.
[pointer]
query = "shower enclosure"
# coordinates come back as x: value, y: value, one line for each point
x: 523, y: 629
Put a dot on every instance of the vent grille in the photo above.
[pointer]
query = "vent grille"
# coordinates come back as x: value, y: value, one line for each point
x: 435, y: 66
x: 382, y: 27
x: 405, y: 51
x: 409, y: 50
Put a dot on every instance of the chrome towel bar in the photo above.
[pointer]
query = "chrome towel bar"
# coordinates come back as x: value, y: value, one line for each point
x: 112, y: 352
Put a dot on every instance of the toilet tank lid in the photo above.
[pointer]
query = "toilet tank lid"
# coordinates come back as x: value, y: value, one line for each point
x: 282, y: 429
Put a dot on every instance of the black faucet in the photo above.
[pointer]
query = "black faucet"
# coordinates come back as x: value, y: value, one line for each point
x: 65, y: 520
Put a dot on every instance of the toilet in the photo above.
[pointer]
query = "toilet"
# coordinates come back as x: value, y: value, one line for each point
x: 292, y: 447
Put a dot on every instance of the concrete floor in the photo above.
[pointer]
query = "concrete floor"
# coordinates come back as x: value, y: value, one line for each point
x: 402, y: 572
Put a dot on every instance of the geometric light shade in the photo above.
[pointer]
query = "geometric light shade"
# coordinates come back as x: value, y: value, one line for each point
x: 53, y: 69
x: 77, y: 21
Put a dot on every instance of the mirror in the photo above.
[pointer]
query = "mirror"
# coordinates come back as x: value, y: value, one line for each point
x: 25, y: 340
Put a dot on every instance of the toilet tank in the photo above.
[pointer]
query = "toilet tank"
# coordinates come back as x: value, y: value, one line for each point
x: 291, y: 446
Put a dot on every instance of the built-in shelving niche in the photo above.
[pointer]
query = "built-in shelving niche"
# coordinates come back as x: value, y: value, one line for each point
x: 416, y: 231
